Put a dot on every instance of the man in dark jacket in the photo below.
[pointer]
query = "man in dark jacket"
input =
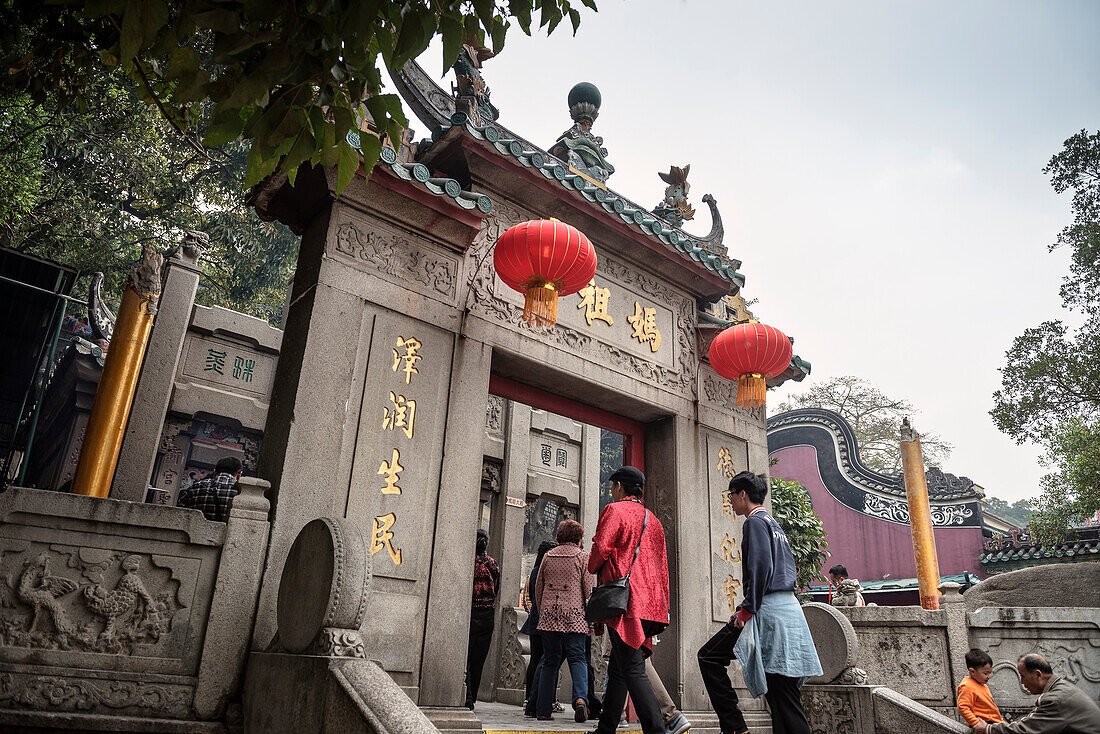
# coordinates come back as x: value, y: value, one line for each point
x: 783, y: 653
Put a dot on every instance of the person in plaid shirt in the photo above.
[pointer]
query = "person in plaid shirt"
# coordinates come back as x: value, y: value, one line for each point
x: 214, y: 495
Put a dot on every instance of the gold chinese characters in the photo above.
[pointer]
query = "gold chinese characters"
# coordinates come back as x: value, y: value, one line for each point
x: 596, y: 304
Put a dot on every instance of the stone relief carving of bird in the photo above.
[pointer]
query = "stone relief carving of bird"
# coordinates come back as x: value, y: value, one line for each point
x: 40, y: 589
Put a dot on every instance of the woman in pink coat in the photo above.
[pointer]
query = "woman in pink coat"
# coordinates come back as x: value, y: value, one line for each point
x: 561, y: 591
x: 626, y: 525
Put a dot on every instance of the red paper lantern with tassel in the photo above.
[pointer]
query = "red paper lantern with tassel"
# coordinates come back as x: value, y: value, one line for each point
x: 544, y: 259
x: 750, y: 353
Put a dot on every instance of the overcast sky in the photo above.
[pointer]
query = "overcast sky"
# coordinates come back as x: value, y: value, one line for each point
x: 878, y: 166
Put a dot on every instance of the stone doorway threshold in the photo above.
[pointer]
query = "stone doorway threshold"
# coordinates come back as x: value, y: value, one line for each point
x: 504, y: 718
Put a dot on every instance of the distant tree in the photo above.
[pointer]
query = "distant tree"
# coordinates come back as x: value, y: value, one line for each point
x: 1050, y: 384
x: 88, y: 185
x: 792, y: 509
x: 292, y: 78
x: 874, y: 416
x: 1071, y: 493
x: 1019, y: 512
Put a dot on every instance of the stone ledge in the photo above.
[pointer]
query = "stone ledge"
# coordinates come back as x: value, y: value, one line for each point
x: 39, y: 722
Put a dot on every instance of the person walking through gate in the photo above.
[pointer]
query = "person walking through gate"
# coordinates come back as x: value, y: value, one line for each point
x: 531, y: 629
x: 561, y: 591
x: 768, y: 634
x: 630, y: 539
x: 486, y: 588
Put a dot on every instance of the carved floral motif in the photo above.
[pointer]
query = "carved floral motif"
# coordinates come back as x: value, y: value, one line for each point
x: 829, y: 713
x: 396, y: 256
x: 55, y: 693
x: 942, y: 515
x: 724, y: 392
x: 494, y: 415
x: 513, y: 669
x: 339, y: 643
x: 115, y: 604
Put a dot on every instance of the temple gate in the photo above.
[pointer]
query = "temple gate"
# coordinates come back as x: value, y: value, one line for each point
x: 400, y: 342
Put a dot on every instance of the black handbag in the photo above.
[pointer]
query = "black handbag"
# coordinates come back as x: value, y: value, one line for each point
x: 613, y: 598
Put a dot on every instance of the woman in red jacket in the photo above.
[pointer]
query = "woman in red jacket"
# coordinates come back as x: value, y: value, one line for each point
x: 626, y: 525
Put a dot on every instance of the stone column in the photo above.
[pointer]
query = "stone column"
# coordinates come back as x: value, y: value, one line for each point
x: 958, y: 635
x: 673, y: 493
x: 158, y: 370
x: 233, y: 607
x: 443, y: 663
x: 505, y: 666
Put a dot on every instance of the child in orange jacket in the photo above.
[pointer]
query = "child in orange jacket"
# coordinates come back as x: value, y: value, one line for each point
x: 975, y: 702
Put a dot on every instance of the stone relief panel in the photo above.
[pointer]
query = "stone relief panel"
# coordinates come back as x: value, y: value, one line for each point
x: 57, y: 597
x: 830, y: 712
x: 494, y: 416
x: 513, y: 668
x: 723, y: 394
x: 725, y: 456
x: 1070, y: 643
x: 911, y: 660
x: 612, y: 328
x: 396, y: 257
x: 90, y: 695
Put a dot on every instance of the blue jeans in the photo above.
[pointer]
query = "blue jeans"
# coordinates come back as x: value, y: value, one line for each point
x: 554, y: 646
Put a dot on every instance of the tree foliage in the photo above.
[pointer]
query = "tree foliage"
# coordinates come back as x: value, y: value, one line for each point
x: 1050, y: 384
x: 875, y: 418
x: 1071, y: 493
x: 292, y: 77
x: 1019, y: 511
x: 88, y: 185
x: 792, y: 509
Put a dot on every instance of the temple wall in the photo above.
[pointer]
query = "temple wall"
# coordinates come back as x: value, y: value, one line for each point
x: 873, y: 548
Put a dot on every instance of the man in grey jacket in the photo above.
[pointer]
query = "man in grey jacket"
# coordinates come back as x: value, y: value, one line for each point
x: 1062, y: 708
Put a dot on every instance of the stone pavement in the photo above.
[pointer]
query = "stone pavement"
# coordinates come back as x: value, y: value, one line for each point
x: 503, y: 717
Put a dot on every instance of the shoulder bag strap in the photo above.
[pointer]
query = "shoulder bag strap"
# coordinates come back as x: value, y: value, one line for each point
x: 639, y: 546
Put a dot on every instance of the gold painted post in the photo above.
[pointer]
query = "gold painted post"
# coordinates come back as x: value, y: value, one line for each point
x: 111, y: 409
x: 920, y: 517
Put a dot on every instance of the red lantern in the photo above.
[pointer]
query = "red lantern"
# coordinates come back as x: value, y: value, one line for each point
x: 750, y: 353
x: 544, y: 259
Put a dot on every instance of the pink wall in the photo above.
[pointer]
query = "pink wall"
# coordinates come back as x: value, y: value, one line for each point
x: 868, y: 546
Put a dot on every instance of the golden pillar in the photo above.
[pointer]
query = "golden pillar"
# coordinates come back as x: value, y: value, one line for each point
x: 920, y: 517
x: 111, y: 409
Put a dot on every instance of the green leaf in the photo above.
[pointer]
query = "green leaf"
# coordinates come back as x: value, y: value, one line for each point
x: 223, y: 129
x: 575, y: 19
x: 451, y: 28
x: 299, y: 152
x: 521, y: 11
x: 497, y: 33
x: 590, y: 4
x: 484, y: 11
x: 184, y: 63
x: 130, y: 37
x: 221, y: 20
x: 330, y: 154
x: 348, y: 164
x: 259, y: 167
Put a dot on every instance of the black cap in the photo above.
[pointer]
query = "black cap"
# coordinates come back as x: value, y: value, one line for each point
x: 628, y: 475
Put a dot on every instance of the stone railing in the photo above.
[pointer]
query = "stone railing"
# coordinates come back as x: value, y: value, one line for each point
x: 919, y: 654
x: 114, y: 611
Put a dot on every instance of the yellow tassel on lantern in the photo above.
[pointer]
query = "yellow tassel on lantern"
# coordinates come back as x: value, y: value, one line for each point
x: 751, y: 389
x: 540, y: 306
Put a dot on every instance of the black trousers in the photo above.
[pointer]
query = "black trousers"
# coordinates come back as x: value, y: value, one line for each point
x: 531, y: 681
x: 784, y: 700
x: 595, y: 706
x: 626, y: 674
x: 481, y: 634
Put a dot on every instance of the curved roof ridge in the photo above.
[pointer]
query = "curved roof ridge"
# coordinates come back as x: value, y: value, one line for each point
x: 942, y: 486
x: 436, y: 109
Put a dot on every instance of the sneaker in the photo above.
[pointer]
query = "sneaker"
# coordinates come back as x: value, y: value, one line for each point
x: 677, y: 725
x: 580, y: 711
x: 558, y: 708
